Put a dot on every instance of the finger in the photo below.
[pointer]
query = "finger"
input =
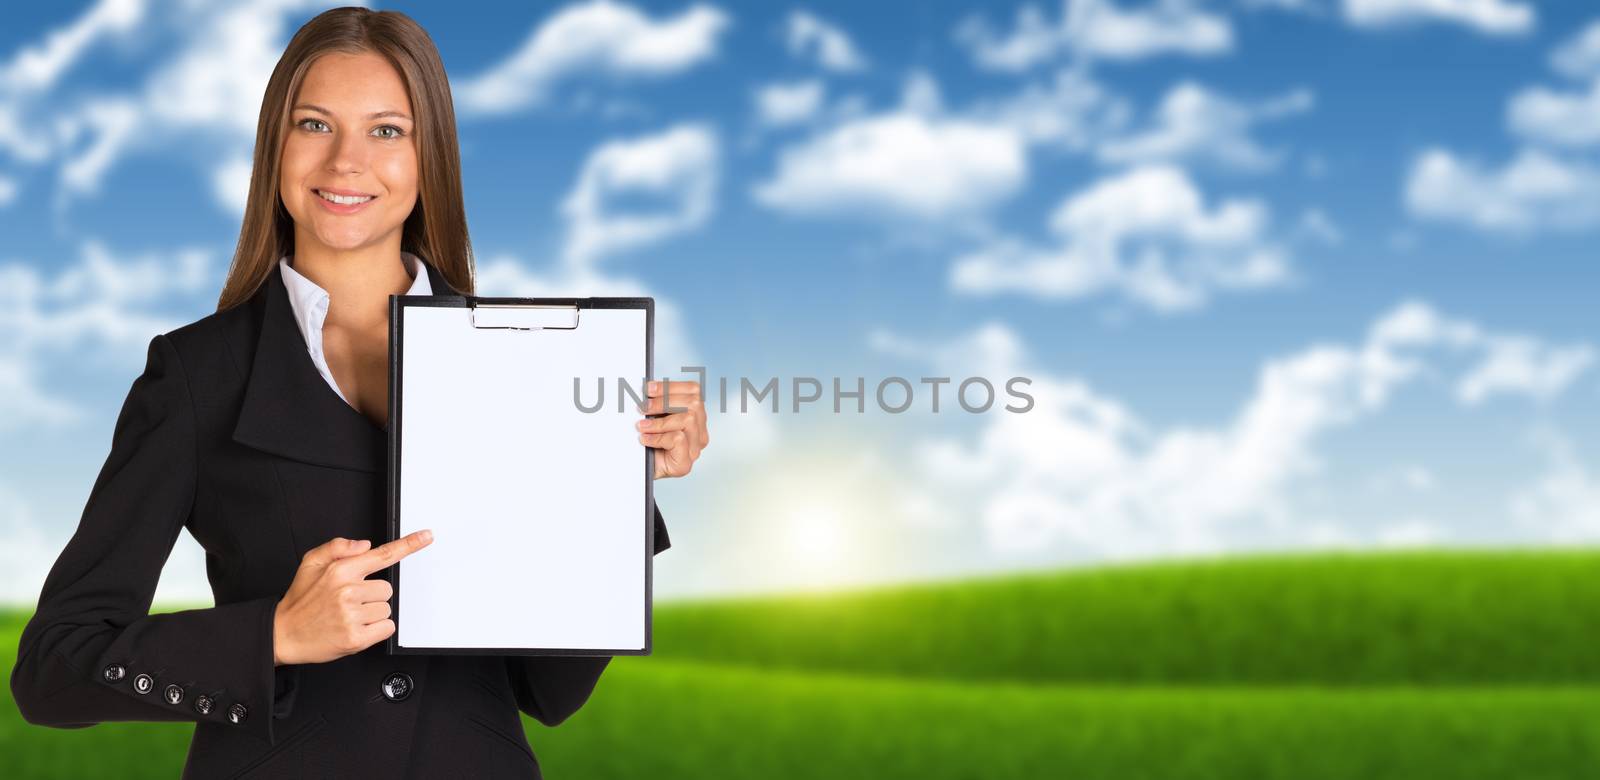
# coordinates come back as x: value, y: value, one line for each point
x: 677, y: 396
x: 375, y: 632
x: 673, y: 404
x: 672, y: 389
x: 334, y: 549
x: 666, y: 441
x: 372, y: 612
x: 682, y: 421
x: 383, y: 557
x: 367, y: 591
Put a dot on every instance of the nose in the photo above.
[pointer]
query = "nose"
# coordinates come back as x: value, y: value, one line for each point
x: 347, y: 155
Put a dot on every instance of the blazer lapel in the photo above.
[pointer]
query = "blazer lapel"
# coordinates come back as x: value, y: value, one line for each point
x: 289, y: 409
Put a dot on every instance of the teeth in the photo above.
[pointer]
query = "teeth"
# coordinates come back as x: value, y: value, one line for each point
x: 348, y: 200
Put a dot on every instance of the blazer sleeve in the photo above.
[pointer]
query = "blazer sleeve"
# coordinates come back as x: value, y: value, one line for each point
x: 552, y: 688
x: 91, y: 652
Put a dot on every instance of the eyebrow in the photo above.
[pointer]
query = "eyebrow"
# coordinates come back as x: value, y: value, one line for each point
x: 374, y: 115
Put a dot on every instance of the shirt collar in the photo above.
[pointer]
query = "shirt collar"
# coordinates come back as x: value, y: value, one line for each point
x: 310, y: 301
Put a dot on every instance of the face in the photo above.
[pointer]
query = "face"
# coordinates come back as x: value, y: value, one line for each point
x: 349, y: 138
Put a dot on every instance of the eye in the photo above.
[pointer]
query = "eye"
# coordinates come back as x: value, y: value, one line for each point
x: 391, y: 136
x: 302, y: 123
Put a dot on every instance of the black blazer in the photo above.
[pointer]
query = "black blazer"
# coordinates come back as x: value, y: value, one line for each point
x: 231, y: 433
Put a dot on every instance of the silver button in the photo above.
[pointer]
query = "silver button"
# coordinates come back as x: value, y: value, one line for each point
x: 237, y: 713
x: 173, y: 694
x: 397, y: 686
x: 144, y: 683
x: 115, y: 672
x: 202, y: 704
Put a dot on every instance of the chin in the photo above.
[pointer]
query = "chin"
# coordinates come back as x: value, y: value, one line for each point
x: 348, y: 237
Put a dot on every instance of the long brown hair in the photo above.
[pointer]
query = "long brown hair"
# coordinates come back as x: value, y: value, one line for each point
x: 436, y: 231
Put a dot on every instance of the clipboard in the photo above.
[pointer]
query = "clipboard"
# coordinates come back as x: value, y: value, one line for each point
x: 542, y: 512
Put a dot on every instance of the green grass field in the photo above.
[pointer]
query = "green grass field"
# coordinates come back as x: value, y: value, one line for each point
x: 1414, y: 665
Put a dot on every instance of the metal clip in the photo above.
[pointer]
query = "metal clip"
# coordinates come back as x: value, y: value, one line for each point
x: 498, y: 312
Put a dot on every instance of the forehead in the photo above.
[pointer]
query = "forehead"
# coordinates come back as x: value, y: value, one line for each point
x: 357, y: 84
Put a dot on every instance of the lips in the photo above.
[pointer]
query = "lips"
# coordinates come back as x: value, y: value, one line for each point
x: 342, y: 201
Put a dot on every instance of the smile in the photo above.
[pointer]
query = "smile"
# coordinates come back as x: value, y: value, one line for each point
x: 347, y: 200
x: 343, y: 204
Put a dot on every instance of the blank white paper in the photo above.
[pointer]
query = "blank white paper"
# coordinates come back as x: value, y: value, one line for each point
x: 537, y: 509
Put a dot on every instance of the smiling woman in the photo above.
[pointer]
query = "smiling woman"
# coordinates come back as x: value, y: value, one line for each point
x: 261, y: 429
x: 349, y: 153
x: 359, y: 106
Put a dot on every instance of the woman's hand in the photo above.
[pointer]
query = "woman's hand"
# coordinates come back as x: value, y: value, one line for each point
x: 679, y: 436
x: 332, y: 610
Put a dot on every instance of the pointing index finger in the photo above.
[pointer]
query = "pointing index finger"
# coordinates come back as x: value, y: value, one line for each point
x: 380, y: 558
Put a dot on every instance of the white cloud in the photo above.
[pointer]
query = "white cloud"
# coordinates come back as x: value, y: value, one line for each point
x: 600, y: 36
x: 1535, y: 190
x: 113, y: 123
x: 927, y: 162
x: 1507, y: 363
x: 23, y: 401
x: 1549, y: 184
x: 100, y: 302
x: 1579, y: 57
x: 1493, y: 17
x: 1147, y: 234
x: 1097, y: 29
x: 1563, y: 504
x: 790, y: 103
x: 914, y: 162
x: 8, y: 191
x: 38, y: 67
x: 230, y: 183
x: 1083, y: 472
x: 811, y: 37
x: 900, y: 164
x: 1071, y: 113
x: 1525, y: 366
x: 1195, y: 123
x: 102, y: 299
x: 679, y: 166
x: 1557, y: 117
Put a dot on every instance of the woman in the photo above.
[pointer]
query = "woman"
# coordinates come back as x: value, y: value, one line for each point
x: 261, y: 428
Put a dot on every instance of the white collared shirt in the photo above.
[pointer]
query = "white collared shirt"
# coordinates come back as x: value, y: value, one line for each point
x: 310, y: 304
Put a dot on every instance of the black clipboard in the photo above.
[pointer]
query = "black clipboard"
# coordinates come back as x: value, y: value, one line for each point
x: 512, y: 321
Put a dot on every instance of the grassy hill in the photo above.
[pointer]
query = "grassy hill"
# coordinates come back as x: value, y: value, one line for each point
x: 1433, y: 617
x: 1407, y: 665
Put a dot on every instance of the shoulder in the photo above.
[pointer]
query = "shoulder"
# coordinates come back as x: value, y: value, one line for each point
x: 219, y: 344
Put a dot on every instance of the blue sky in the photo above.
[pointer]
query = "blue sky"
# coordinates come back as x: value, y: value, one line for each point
x: 1285, y: 273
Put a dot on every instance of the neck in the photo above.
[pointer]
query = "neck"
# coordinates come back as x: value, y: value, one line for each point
x: 359, y: 281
